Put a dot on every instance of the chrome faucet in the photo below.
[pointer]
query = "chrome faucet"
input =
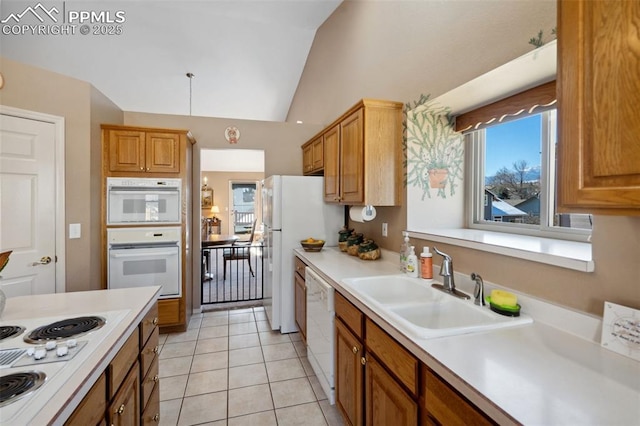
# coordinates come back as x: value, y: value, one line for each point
x: 478, y: 291
x: 446, y: 272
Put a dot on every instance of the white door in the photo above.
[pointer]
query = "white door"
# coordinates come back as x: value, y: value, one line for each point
x: 27, y: 205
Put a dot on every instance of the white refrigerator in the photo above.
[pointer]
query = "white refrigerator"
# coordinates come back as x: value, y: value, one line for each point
x: 293, y: 210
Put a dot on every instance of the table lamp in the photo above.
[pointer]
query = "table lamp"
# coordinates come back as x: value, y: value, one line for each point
x: 214, y: 210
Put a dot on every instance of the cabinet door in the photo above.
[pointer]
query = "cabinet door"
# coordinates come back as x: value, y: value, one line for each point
x: 352, y: 159
x: 386, y: 402
x: 331, y: 165
x: 126, y: 151
x: 163, y: 152
x: 317, y: 148
x: 348, y: 375
x: 91, y: 409
x: 307, y: 159
x: 598, y: 97
x: 301, y: 305
x: 125, y: 407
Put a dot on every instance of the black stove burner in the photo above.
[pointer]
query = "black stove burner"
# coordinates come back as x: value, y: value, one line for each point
x: 65, y: 329
x: 17, y: 385
x: 7, y: 331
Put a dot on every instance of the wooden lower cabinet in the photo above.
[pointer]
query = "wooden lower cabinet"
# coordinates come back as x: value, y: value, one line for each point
x: 127, y: 392
x: 300, y: 295
x: 349, y: 375
x: 379, y: 382
x: 151, y: 414
x: 372, y: 384
x: 443, y: 405
x: 92, y: 408
x: 169, y: 312
x: 386, y: 402
x: 125, y: 407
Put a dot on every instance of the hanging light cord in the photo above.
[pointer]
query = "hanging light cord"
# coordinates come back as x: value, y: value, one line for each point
x: 190, y: 75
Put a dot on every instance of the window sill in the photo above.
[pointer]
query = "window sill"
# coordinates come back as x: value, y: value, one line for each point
x: 564, y: 254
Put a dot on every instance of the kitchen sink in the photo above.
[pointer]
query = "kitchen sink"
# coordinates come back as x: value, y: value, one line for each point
x: 394, y: 289
x: 411, y: 305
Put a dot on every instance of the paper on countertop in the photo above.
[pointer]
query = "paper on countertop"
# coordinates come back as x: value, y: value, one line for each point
x: 621, y: 330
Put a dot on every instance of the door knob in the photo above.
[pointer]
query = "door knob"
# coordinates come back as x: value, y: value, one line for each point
x: 45, y: 260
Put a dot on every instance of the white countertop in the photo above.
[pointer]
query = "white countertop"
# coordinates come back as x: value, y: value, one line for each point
x: 134, y: 303
x: 536, y: 374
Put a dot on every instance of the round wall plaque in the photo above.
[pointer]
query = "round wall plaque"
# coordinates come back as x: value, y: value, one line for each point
x: 232, y: 134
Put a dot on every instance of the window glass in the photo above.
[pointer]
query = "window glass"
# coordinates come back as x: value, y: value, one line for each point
x: 515, y: 168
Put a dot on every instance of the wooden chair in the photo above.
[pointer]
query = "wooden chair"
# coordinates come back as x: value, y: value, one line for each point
x: 239, y: 251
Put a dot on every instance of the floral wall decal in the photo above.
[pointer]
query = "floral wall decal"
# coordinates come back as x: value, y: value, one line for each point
x: 434, y: 151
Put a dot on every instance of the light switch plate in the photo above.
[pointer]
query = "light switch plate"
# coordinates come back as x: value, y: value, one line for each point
x: 384, y: 229
x: 75, y: 231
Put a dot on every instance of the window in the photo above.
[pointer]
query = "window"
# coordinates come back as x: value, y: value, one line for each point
x: 513, y: 168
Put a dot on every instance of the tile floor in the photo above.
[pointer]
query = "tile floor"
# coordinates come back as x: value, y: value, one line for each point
x: 229, y: 368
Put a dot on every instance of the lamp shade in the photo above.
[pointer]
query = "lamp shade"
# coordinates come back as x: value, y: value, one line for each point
x: 215, y: 209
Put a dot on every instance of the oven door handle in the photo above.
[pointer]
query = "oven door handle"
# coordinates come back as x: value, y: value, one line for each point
x: 145, y: 254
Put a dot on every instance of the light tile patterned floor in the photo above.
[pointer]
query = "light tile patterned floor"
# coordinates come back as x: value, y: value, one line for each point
x: 229, y: 368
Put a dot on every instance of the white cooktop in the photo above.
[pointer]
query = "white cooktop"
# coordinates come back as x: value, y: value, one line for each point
x: 21, y: 410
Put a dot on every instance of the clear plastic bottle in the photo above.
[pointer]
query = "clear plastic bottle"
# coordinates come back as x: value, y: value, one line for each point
x: 426, y: 264
x: 404, y: 252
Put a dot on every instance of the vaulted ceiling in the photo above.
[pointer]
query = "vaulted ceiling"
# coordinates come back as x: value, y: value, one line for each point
x: 246, y: 56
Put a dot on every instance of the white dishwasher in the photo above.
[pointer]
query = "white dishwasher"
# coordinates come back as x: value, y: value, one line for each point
x: 320, y: 330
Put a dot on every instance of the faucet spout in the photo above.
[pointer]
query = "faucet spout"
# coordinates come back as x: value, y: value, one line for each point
x: 446, y: 272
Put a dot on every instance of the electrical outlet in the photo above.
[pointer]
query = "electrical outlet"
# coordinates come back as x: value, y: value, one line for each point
x: 384, y: 229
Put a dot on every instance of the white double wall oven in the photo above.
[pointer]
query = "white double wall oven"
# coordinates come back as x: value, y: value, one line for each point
x: 148, y: 253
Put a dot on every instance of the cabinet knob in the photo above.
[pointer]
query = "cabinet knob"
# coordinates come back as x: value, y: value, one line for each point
x: 142, y: 169
x: 156, y: 418
x: 155, y: 321
x: 156, y: 378
x: 156, y: 350
x: 147, y: 169
x: 120, y: 409
x: 355, y: 350
x: 363, y: 360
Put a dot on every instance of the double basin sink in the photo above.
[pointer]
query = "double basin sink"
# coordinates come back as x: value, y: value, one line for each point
x: 423, y: 312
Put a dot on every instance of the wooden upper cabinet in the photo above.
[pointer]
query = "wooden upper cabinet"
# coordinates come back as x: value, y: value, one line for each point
x: 307, y: 158
x: 313, y: 156
x: 332, y: 164
x: 163, y: 152
x: 598, y: 96
x: 139, y: 151
x: 362, y: 155
x: 352, y: 159
x: 317, y: 149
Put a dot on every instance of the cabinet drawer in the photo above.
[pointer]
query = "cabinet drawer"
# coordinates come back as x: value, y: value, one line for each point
x: 349, y: 314
x: 149, y: 352
x: 446, y: 406
x: 149, y: 381
x: 92, y: 408
x: 299, y: 267
x: 169, y: 311
x: 122, y: 362
x: 148, y: 323
x: 151, y: 413
x: 396, y: 358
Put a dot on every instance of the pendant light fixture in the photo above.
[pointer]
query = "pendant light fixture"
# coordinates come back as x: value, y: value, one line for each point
x: 190, y: 76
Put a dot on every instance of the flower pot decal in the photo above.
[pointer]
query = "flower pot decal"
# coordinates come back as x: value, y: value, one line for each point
x: 434, y: 150
x: 438, y: 178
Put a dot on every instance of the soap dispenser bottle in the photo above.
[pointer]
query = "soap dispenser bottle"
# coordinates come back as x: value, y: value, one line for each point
x: 412, y: 263
x: 404, y: 252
